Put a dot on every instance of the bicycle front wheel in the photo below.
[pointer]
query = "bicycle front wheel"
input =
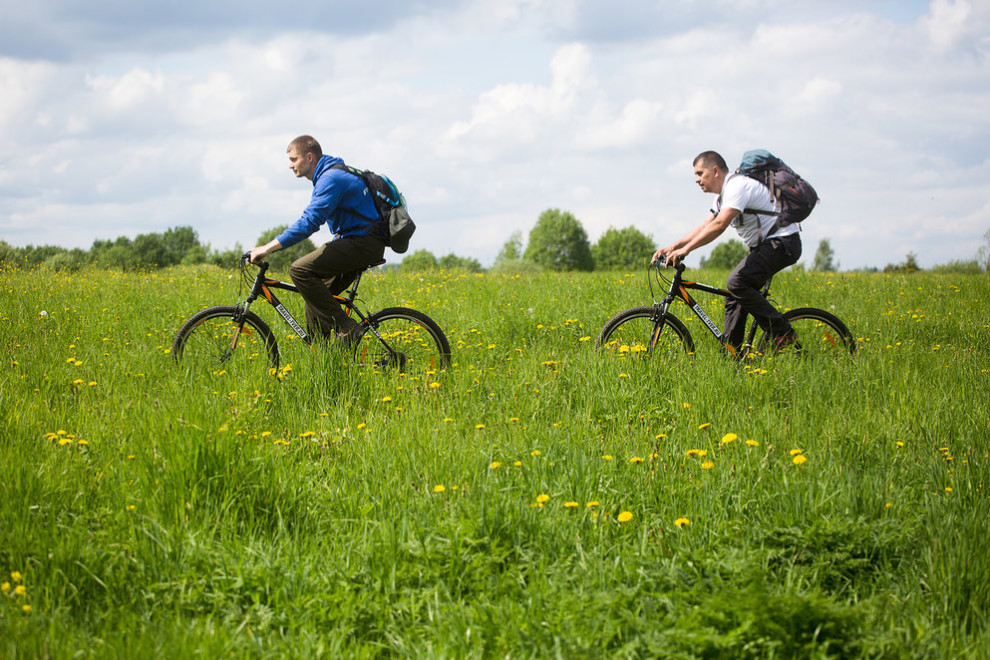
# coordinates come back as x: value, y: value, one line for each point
x: 643, y: 332
x: 402, y: 340
x: 214, y: 342
x: 819, y: 333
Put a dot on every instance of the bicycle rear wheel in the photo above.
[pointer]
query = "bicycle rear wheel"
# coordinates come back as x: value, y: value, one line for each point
x: 402, y: 340
x: 212, y: 341
x: 642, y: 332
x: 819, y: 333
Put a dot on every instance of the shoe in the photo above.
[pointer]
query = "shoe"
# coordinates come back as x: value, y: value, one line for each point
x: 787, y: 340
x: 348, y: 340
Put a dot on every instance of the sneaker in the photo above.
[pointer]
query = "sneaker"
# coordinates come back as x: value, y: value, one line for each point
x: 350, y: 339
x: 785, y: 341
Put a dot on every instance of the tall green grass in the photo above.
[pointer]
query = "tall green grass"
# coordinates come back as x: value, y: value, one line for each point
x: 533, y: 500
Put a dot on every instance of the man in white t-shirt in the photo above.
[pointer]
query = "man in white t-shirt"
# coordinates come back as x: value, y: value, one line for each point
x: 771, y: 248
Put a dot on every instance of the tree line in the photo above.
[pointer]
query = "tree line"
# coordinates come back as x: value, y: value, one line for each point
x: 557, y: 242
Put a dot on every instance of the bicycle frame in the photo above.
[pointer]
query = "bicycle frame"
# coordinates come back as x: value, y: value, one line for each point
x: 678, y: 290
x: 263, y: 287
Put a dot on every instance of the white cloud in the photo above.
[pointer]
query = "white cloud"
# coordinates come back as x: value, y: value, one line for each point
x: 490, y: 112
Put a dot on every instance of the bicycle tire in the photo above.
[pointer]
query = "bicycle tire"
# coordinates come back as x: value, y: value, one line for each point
x: 641, y: 330
x: 206, y: 343
x: 819, y: 333
x: 411, y: 343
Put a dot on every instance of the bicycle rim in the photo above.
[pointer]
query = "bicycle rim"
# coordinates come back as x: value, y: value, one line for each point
x: 638, y: 333
x: 211, y: 342
x: 407, y: 342
x: 820, y: 334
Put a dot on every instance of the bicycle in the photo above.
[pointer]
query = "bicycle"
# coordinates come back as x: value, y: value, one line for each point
x: 655, y: 331
x: 232, y: 338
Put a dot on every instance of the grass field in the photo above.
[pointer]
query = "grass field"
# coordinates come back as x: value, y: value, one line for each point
x: 535, y: 500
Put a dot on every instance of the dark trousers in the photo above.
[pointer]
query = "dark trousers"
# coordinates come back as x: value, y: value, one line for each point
x: 327, y: 271
x: 745, y: 283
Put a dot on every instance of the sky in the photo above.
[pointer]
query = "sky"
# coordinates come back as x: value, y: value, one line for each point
x: 122, y: 118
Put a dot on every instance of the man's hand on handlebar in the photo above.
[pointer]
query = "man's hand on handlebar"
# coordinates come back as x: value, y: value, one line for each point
x: 668, y: 257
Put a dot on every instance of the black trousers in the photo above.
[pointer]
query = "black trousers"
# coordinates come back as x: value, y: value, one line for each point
x: 748, y: 278
x: 328, y: 270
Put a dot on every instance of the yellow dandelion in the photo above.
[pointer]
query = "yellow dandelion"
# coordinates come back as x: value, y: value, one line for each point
x: 948, y: 489
x: 635, y: 459
x: 686, y: 404
x: 542, y: 498
x: 707, y: 465
x: 795, y: 452
x: 727, y: 438
x: 386, y: 399
x: 434, y: 385
x: 625, y: 516
x: 752, y: 443
x: 494, y: 465
x: 5, y: 587
x: 26, y: 609
x: 570, y: 505
x: 306, y: 434
x: 518, y: 464
x: 660, y: 436
x: 535, y: 452
x: 479, y: 426
x: 702, y: 427
x: 899, y: 443
x: 16, y: 576
x: 439, y: 488
x: 607, y: 457
x: 693, y: 452
x: 682, y: 522
x: 799, y: 459
x: 20, y: 590
x: 592, y: 504
x: 585, y: 338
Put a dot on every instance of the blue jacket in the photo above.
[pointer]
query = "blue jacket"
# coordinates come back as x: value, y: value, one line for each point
x: 340, y: 199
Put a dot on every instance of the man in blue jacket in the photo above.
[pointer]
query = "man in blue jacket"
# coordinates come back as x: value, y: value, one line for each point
x: 342, y: 201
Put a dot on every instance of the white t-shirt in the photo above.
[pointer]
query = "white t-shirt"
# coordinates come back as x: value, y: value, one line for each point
x: 741, y: 192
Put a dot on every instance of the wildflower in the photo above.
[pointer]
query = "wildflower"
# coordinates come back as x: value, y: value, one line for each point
x: 570, y: 505
x: 727, y: 438
x: 948, y: 489
x: 795, y: 452
x: 899, y: 443
x: 5, y: 587
x: 686, y: 405
x: 635, y: 459
x: 542, y: 498
x: 479, y: 426
x: 26, y: 608
x: 660, y: 436
x: 518, y: 464
x: 752, y: 443
x: 607, y: 457
x: 495, y: 465
x: 799, y: 459
x: 20, y: 590
x: 625, y: 516
x: 592, y: 504
x: 585, y: 338
x: 707, y: 465
x: 623, y: 375
x: 704, y: 426
x: 693, y: 452
x: 16, y: 576
x: 681, y: 522
x: 535, y: 452
x: 386, y: 399
x: 439, y: 488
x: 434, y: 385
x: 306, y: 434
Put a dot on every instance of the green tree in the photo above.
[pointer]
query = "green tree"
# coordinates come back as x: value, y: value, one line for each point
x: 282, y: 259
x: 622, y: 249
x: 453, y: 262
x: 419, y: 261
x: 512, y: 250
x: 559, y: 242
x: 909, y: 265
x: 824, y: 257
x: 725, y: 256
x: 983, y: 254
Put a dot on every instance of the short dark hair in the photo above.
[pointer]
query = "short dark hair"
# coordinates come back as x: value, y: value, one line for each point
x: 307, y: 144
x: 709, y: 158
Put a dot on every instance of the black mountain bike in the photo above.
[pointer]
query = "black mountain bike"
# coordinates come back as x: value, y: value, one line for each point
x: 654, y: 331
x: 231, y: 338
